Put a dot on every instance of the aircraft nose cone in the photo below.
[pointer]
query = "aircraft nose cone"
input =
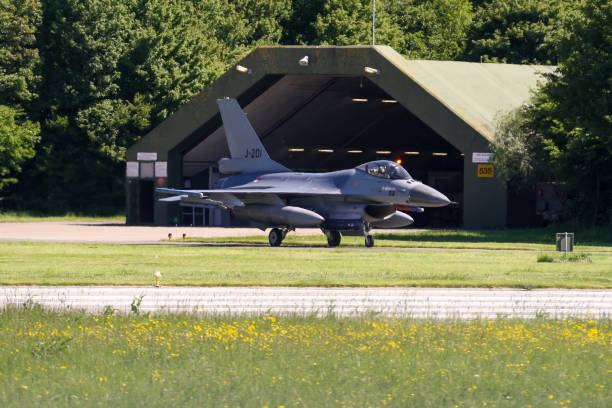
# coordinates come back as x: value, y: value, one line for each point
x: 425, y: 196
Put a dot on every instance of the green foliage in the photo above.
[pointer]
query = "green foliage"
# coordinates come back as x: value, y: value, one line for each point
x: 19, y: 60
x: 18, y: 136
x: 514, y: 149
x: 571, y: 113
x: 565, y: 132
x: 435, y: 29
x: 416, y: 28
x: 112, y: 70
x: 299, y: 28
x: 517, y: 31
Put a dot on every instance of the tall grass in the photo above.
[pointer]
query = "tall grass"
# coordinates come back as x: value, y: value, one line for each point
x: 67, y: 359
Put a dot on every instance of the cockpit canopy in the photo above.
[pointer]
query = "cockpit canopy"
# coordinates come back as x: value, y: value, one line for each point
x: 385, y: 169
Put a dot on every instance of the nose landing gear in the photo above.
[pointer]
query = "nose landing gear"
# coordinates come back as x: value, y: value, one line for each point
x: 369, y: 239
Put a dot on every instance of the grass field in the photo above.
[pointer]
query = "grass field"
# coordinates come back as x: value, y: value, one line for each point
x: 542, y: 239
x: 13, y: 216
x: 74, y: 359
x: 64, y: 264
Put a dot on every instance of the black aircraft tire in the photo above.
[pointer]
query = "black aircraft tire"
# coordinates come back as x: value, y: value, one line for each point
x: 369, y: 241
x: 275, y: 237
x: 333, y: 238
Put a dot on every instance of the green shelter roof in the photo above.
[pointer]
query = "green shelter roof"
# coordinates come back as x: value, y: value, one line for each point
x: 476, y: 92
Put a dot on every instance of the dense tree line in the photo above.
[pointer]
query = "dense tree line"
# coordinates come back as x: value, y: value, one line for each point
x: 565, y: 132
x: 82, y: 80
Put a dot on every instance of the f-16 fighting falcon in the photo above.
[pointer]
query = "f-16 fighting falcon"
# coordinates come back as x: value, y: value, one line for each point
x: 269, y: 195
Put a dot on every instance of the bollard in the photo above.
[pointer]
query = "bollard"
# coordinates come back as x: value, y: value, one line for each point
x: 170, y: 236
x: 157, y: 276
x: 184, y: 236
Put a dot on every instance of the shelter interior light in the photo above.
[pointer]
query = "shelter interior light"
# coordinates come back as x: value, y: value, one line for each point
x: 412, y: 153
x: 359, y: 100
x: 325, y: 150
x: 383, y: 152
x: 370, y: 70
x: 355, y: 151
x: 440, y: 154
x: 296, y: 149
x: 461, y: 154
x: 243, y: 69
x: 389, y: 101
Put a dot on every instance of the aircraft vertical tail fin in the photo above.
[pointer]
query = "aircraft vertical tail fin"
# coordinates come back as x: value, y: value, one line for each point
x: 248, y: 155
x: 242, y: 140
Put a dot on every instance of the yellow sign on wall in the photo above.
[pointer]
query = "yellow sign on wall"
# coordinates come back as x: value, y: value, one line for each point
x: 486, y: 170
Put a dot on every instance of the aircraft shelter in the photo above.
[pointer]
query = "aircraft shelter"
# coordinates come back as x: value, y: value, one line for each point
x: 327, y: 108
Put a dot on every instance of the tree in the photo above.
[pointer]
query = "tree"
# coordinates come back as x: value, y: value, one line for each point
x: 80, y: 44
x: 111, y: 70
x: 567, y: 126
x: 415, y: 28
x: 434, y: 29
x: 573, y: 110
x: 298, y: 28
x: 18, y: 136
x: 349, y: 22
x: 19, y: 78
x: 516, y: 31
x: 19, y: 60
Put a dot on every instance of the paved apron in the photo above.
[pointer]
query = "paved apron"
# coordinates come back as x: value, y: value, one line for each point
x: 437, y: 303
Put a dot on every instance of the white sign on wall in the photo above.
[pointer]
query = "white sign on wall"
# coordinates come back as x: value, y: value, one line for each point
x: 146, y: 156
x: 481, y: 157
x: 146, y: 170
x: 161, y: 169
x: 131, y: 169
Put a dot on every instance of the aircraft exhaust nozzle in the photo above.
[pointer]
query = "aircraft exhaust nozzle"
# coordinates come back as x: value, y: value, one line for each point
x: 274, y: 215
x: 397, y: 220
x: 424, y: 196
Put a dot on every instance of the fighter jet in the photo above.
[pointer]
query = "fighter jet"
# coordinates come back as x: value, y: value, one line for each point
x: 267, y: 194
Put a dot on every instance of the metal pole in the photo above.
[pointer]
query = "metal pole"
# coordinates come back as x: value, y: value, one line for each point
x: 566, y: 244
x: 373, y: 21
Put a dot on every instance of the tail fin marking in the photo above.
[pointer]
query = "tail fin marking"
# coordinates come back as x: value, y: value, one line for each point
x: 242, y: 140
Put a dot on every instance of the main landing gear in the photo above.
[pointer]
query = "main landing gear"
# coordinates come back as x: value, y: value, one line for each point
x: 333, y: 237
x: 276, y: 236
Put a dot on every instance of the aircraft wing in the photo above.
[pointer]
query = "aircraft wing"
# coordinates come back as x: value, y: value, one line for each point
x: 252, y: 190
x: 228, y: 198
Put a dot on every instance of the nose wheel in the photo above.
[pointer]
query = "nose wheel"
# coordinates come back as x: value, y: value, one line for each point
x: 369, y: 239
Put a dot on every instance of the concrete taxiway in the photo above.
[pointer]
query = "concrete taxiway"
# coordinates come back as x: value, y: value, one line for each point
x: 115, y: 232
x: 437, y: 303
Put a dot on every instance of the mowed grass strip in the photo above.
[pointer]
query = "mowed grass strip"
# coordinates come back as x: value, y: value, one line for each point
x: 16, y: 216
x: 542, y: 239
x: 75, y: 359
x: 87, y: 264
